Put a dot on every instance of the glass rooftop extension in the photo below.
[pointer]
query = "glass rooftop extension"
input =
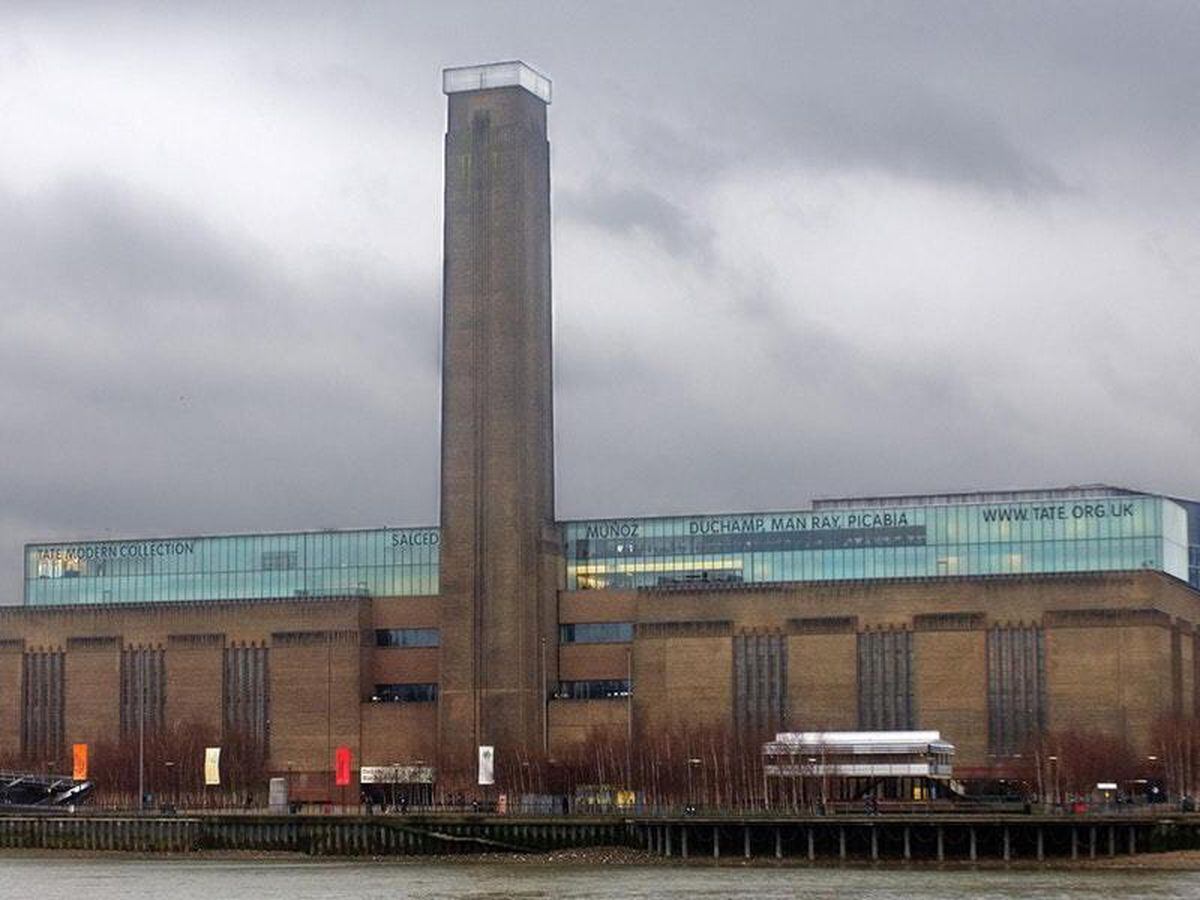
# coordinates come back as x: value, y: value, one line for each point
x: 380, y: 562
x: 1053, y: 534
x: 1010, y: 533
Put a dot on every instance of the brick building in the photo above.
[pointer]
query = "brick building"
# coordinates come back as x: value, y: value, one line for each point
x: 991, y: 617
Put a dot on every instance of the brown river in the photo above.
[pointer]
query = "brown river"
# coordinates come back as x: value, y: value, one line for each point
x: 178, y: 879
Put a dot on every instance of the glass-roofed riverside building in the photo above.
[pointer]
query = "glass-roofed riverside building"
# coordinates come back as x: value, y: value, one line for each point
x: 991, y: 617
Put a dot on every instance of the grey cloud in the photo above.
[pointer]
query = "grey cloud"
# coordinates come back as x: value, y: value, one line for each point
x: 885, y: 124
x: 87, y: 240
x: 162, y: 372
x: 905, y: 131
x: 629, y: 209
x: 157, y: 377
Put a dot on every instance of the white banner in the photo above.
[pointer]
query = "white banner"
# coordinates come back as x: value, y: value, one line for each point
x: 212, y: 765
x: 487, y: 760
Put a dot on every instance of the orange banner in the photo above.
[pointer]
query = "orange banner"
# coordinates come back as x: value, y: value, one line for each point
x: 80, y: 758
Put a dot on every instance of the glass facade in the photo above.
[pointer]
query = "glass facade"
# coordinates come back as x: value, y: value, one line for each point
x: 1102, y: 533
x: 1071, y: 530
x: 382, y: 562
x: 1192, y: 511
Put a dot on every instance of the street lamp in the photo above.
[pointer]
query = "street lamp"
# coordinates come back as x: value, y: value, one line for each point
x: 1054, y: 777
x: 821, y: 776
x: 1152, y: 793
x: 693, y: 761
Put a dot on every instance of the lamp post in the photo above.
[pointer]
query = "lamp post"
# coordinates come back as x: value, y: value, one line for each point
x: 692, y: 761
x: 813, y: 771
x: 141, y: 679
x: 1053, y: 760
x: 394, y: 778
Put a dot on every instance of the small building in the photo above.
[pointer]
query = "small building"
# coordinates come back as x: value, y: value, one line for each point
x: 821, y: 766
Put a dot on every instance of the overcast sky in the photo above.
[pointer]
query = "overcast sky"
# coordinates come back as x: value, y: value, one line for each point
x: 800, y: 250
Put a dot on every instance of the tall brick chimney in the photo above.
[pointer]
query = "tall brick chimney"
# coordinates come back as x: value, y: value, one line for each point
x: 499, y: 546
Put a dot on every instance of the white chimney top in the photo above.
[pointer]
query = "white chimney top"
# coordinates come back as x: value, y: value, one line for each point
x: 496, y: 75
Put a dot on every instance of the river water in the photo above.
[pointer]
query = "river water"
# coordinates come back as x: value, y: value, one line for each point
x: 100, y: 879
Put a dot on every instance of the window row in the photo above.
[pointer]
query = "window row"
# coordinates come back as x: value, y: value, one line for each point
x: 879, y: 562
x: 607, y: 689
x: 405, y: 693
x: 959, y: 523
x: 379, y: 581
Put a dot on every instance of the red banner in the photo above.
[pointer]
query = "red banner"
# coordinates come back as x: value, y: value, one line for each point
x: 80, y: 760
x: 341, y: 766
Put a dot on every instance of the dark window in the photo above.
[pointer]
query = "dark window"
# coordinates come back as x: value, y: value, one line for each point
x: 278, y: 560
x: 407, y: 637
x: 596, y: 633
x: 593, y: 690
x: 405, y: 693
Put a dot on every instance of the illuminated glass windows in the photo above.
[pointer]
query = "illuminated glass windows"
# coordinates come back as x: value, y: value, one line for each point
x: 607, y: 689
x: 1101, y: 532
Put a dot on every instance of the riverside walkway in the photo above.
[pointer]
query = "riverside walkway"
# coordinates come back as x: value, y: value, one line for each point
x: 896, y: 837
